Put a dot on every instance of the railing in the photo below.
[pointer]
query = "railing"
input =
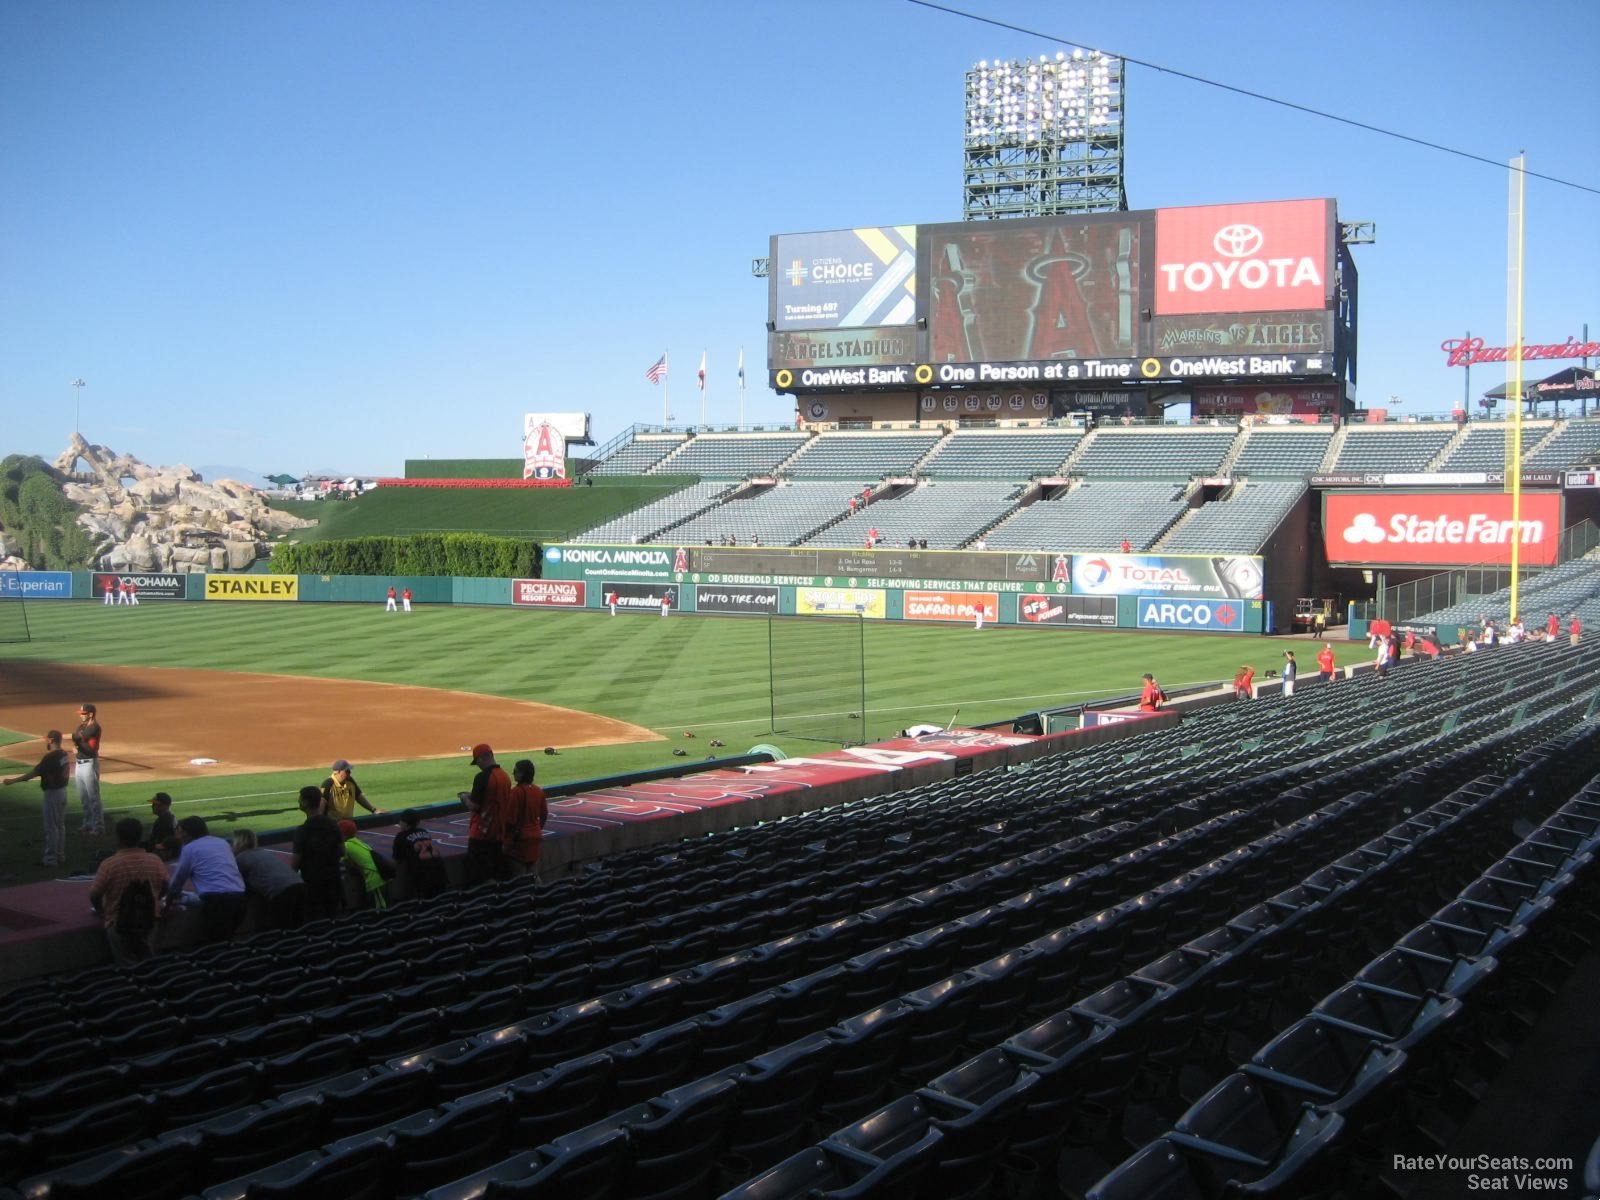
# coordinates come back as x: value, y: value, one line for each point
x: 1404, y: 601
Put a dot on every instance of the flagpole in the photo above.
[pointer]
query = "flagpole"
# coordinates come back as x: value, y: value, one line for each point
x: 702, y: 389
x: 666, y: 392
x: 741, y: 387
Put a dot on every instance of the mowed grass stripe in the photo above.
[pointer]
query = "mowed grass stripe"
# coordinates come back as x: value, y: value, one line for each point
x: 706, y: 675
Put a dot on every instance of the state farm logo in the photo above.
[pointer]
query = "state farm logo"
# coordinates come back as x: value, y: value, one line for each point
x: 1237, y: 241
x: 1412, y: 529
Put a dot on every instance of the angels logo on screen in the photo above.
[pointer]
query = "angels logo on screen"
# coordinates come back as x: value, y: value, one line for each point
x: 680, y: 560
x: 544, y: 453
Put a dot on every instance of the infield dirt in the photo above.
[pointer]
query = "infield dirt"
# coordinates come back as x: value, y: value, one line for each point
x: 157, y: 719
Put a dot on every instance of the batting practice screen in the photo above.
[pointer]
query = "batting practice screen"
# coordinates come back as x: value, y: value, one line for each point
x: 818, y: 678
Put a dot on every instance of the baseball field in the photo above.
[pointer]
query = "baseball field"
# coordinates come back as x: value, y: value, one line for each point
x: 231, y: 708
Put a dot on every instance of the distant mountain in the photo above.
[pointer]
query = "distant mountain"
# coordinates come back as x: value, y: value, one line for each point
x: 241, y: 474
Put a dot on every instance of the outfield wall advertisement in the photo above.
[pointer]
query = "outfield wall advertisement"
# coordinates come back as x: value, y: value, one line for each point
x: 1208, y: 616
x: 951, y: 606
x: 752, y: 600
x: 548, y: 593
x: 1235, y: 576
x: 252, y: 587
x: 841, y: 602
x: 36, y: 585
x: 1084, y: 611
x: 147, y: 586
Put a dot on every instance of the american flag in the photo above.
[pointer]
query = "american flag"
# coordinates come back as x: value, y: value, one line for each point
x: 658, y: 371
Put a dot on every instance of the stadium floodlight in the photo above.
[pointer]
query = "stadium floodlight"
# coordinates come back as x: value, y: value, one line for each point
x: 1044, y: 137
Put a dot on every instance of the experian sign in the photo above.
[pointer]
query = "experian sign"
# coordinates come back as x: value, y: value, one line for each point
x: 36, y: 585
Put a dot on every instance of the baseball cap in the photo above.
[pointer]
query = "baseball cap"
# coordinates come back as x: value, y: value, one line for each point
x: 339, y: 764
x: 480, y: 750
x: 86, y: 708
x: 347, y: 828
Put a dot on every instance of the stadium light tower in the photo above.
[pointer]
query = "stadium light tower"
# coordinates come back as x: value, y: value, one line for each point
x: 1044, y: 137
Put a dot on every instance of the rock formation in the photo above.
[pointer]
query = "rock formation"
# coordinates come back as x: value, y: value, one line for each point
x: 166, y: 518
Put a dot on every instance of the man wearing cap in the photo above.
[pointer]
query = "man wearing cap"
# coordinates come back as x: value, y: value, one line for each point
x: 52, y: 776
x: 341, y: 793
x: 489, y: 801
x: 86, y: 741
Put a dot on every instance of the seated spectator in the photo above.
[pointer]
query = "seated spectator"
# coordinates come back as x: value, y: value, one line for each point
x: 208, y: 861
x: 269, y: 876
x: 365, y: 864
x: 418, y: 866
x: 318, y: 856
x: 163, y: 840
x: 127, y: 892
x: 341, y: 793
x: 922, y: 543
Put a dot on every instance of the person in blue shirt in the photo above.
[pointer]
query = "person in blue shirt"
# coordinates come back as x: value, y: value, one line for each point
x: 208, y: 862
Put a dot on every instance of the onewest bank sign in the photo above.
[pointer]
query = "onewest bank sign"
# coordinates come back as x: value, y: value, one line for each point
x: 252, y: 587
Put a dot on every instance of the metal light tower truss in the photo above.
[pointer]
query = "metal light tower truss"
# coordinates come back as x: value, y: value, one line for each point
x: 1044, y: 138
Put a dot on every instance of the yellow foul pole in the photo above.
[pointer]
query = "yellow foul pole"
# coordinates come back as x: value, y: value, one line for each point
x: 1514, y: 251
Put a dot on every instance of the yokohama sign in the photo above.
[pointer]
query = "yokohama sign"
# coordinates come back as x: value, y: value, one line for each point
x: 1243, y: 257
x: 1440, y: 528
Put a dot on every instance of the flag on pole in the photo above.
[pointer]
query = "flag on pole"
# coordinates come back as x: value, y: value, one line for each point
x: 741, y: 368
x: 658, y: 371
x: 702, y: 370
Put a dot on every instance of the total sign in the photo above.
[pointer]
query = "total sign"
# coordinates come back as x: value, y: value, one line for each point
x: 1244, y: 258
x: 1460, y: 529
x: 1163, y: 612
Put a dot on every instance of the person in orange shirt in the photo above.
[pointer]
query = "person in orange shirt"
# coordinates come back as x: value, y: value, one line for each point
x: 1244, y: 683
x: 1325, y: 664
x: 488, y: 802
x: 525, y: 821
x: 1152, y: 697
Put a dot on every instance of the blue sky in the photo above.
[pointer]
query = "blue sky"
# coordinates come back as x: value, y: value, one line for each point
x: 334, y: 235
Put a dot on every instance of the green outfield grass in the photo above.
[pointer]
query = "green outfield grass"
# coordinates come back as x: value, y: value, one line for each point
x: 703, y: 675
x: 543, y: 514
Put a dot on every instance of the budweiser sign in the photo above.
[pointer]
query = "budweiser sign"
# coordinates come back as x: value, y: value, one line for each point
x: 1243, y: 257
x: 1441, y: 528
x: 1469, y: 351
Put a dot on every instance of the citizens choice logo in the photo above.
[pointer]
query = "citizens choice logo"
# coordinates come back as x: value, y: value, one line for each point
x: 553, y: 554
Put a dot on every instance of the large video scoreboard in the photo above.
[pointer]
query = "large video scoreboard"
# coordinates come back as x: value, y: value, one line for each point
x: 1213, y: 293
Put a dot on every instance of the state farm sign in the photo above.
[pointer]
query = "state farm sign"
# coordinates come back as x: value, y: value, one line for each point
x: 1443, y: 528
x: 1243, y: 257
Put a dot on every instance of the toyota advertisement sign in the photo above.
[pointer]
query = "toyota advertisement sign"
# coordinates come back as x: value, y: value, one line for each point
x: 1244, y: 258
x: 1457, y: 529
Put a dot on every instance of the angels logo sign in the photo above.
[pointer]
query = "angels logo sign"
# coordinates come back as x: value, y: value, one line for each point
x: 680, y: 560
x: 1060, y: 570
x: 544, y: 452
